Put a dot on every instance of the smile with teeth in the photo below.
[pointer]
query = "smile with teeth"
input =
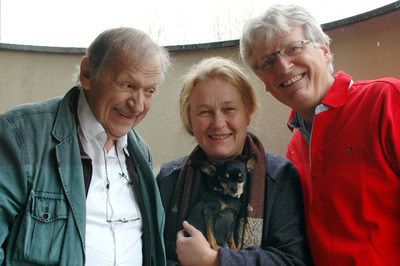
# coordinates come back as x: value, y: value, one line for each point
x: 292, y: 80
x: 219, y: 137
x: 122, y: 114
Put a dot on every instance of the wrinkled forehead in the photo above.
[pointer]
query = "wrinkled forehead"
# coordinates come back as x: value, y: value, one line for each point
x: 129, y: 63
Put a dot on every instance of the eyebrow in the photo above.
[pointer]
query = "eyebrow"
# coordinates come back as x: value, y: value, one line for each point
x: 206, y: 105
x: 132, y: 77
x: 265, y: 57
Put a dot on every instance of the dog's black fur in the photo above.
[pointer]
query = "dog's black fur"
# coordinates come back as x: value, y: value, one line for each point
x: 216, y: 212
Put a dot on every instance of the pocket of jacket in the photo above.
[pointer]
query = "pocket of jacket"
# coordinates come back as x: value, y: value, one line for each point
x: 42, y: 231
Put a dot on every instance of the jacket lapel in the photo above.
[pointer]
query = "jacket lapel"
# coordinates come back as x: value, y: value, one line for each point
x: 69, y: 159
x: 151, y: 198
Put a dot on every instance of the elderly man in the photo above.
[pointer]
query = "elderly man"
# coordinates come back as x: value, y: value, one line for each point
x: 347, y: 140
x: 76, y: 180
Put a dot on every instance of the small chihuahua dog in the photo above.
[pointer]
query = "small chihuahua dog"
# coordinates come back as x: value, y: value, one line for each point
x: 216, y: 212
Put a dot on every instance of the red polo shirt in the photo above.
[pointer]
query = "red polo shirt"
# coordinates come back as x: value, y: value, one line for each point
x: 351, y: 174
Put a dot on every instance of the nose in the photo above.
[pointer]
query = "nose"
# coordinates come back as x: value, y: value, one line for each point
x: 136, y: 101
x: 233, y: 188
x: 283, y: 63
x: 218, y: 120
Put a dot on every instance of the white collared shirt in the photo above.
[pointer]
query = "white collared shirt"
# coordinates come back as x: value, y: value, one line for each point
x: 108, y: 243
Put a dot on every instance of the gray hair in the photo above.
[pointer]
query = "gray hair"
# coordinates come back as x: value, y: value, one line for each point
x: 277, y: 21
x: 111, y: 43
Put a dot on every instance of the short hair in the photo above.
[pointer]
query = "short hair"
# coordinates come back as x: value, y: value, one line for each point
x: 216, y: 67
x: 127, y: 41
x: 279, y: 20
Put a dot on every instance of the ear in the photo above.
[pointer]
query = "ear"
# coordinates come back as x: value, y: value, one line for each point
x: 252, y: 162
x: 85, y: 74
x: 208, y: 169
x: 327, y: 52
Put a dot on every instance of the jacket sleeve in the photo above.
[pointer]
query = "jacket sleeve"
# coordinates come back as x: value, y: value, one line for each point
x: 166, y: 179
x: 13, y: 185
x: 166, y: 189
x: 284, y: 239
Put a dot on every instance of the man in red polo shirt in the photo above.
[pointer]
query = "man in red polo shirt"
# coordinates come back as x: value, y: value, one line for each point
x: 346, y: 142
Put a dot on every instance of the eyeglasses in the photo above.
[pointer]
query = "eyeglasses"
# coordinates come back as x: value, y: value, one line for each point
x: 110, y: 210
x: 109, y: 207
x: 292, y: 49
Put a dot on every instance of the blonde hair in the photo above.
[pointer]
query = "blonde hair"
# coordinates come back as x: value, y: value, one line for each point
x: 216, y: 67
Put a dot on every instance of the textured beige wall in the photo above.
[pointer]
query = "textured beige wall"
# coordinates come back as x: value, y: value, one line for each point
x: 370, y: 49
x: 365, y: 50
x: 31, y: 76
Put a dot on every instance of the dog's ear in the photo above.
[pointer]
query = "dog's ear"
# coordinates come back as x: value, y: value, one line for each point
x: 208, y: 169
x: 252, y: 162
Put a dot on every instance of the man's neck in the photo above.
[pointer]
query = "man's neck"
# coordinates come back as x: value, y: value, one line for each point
x: 109, y: 144
x: 308, y: 118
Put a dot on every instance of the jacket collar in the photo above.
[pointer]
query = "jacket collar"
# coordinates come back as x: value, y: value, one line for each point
x: 64, y: 125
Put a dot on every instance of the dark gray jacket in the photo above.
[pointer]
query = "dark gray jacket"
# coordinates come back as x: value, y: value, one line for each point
x: 284, y: 239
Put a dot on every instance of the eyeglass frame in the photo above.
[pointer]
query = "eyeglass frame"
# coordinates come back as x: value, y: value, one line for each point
x: 108, y: 203
x: 282, y: 53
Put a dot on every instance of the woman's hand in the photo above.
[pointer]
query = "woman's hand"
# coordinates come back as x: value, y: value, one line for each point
x: 195, y: 249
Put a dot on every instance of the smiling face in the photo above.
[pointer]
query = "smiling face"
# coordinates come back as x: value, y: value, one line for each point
x: 302, y: 81
x: 123, y: 94
x: 219, y: 119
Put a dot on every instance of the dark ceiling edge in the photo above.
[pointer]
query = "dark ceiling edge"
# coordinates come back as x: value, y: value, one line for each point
x: 212, y: 45
x: 362, y: 17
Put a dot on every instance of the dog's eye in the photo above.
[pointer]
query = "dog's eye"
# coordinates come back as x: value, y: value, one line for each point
x: 227, y: 175
x: 240, y: 174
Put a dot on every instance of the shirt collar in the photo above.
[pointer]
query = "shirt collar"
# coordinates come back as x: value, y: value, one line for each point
x: 335, y: 97
x: 297, y: 122
x: 91, y: 127
x: 337, y: 94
